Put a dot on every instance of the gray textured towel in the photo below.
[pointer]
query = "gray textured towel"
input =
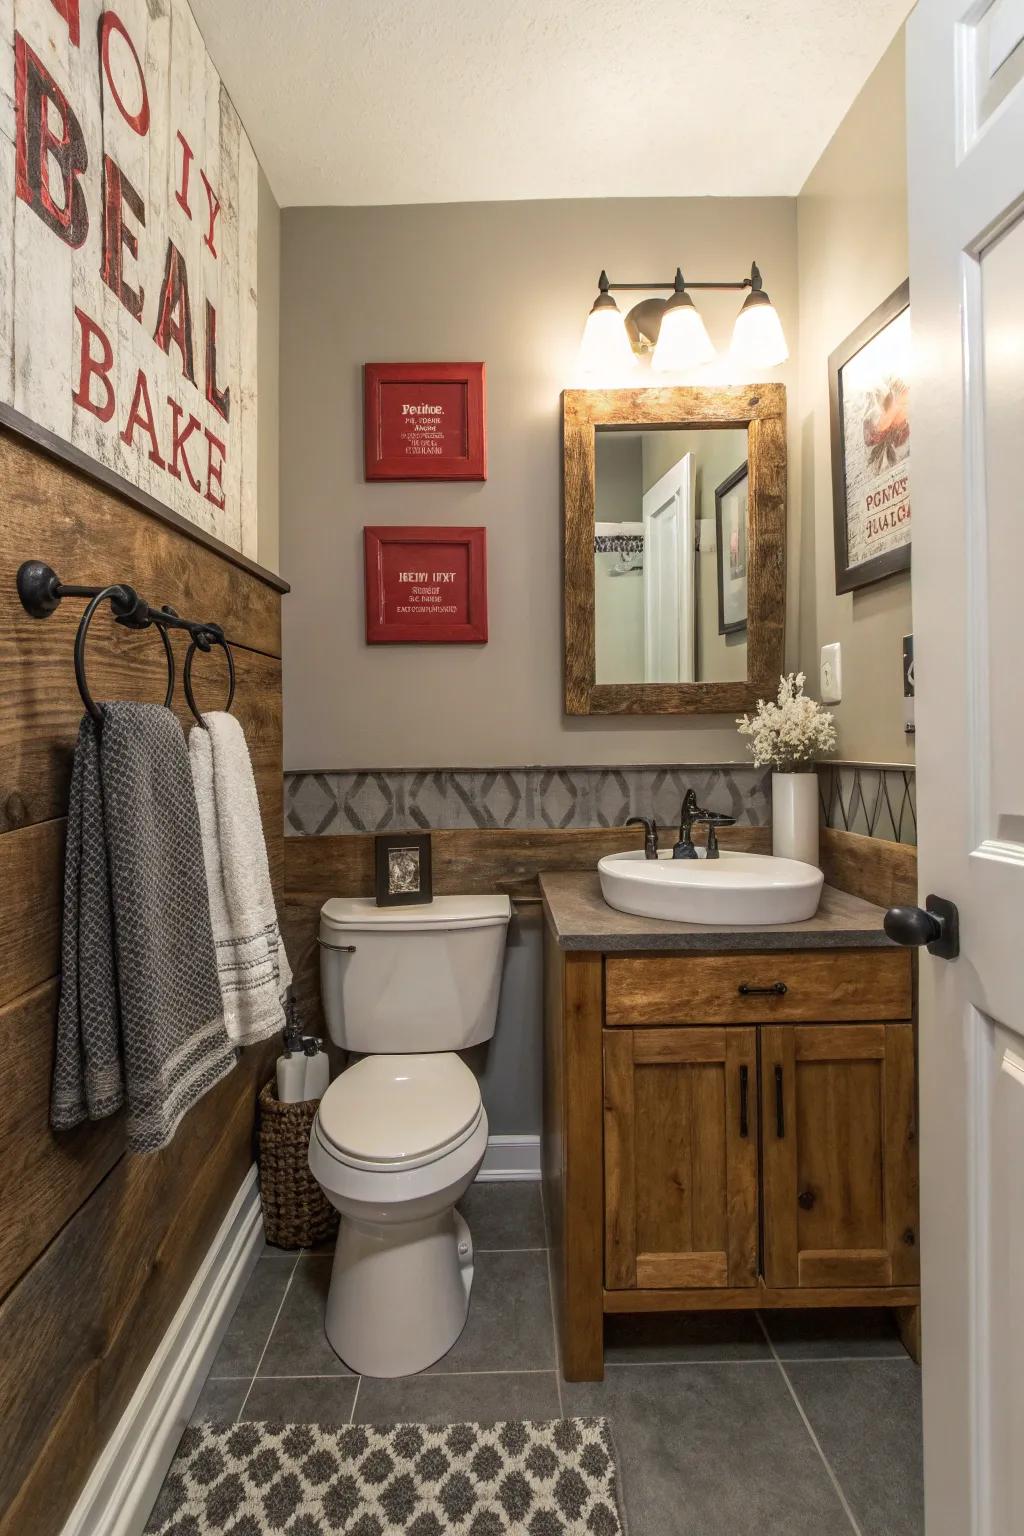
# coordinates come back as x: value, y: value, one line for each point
x: 140, y: 1016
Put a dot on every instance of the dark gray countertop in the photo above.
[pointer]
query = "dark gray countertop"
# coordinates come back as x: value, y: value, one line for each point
x: 580, y: 918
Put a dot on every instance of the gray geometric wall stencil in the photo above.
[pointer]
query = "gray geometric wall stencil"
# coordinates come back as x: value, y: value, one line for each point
x: 526, y: 799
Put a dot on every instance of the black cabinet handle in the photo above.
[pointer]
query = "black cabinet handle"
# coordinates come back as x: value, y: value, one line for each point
x: 744, y: 1082
x: 777, y: 989
x: 780, y: 1107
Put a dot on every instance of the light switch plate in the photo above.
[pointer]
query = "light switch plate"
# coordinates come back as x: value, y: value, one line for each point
x: 831, y: 673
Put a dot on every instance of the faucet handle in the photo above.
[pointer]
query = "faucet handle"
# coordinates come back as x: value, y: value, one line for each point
x: 711, y: 820
x: 650, y: 827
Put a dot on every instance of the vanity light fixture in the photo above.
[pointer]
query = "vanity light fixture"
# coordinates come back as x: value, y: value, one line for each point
x: 683, y: 340
x: 605, y: 347
x: 673, y: 331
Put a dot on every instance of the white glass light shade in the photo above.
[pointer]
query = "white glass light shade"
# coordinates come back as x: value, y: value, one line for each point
x: 605, y: 348
x: 683, y: 341
x: 757, y: 338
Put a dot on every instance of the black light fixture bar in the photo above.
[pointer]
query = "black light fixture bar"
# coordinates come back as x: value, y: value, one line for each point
x: 681, y: 284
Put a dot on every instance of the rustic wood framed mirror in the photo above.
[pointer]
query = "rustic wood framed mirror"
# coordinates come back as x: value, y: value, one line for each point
x: 674, y: 558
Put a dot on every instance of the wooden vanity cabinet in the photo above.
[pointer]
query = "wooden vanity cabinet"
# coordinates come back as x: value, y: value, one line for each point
x: 839, y: 1155
x: 754, y: 1144
x: 680, y: 1157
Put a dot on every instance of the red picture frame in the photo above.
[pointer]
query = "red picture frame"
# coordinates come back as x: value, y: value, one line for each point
x: 425, y: 586
x: 425, y: 421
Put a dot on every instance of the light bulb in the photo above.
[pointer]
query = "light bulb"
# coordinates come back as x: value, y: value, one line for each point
x: 757, y: 338
x: 605, y: 348
x: 683, y: 341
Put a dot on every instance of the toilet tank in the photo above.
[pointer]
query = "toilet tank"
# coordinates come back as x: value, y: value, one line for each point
x: 412, y: 978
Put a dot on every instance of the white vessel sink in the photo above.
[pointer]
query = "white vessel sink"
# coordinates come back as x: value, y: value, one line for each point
x: 746, y: 889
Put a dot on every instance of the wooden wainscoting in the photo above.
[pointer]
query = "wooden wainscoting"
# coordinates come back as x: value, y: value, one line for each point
x: 871, y: 867
x: 484, y: 859
x: 97, y: 1248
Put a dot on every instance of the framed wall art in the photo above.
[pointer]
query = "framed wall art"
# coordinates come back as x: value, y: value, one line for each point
x: 402, y: 869
x: 731, y: 551
x: 129, y: 205
x: 425, y: 421
x: 869, y: 405
x: 426, y: 586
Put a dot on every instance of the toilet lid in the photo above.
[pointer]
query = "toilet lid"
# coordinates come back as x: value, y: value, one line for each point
x: 388, y: 1109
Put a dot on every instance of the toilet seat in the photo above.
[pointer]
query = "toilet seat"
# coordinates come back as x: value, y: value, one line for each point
x: 388, y: 1114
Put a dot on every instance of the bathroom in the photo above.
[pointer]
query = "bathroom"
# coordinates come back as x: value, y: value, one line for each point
x: 700, y: 1189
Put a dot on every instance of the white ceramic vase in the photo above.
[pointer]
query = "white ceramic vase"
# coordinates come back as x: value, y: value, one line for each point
x: 795, y: 816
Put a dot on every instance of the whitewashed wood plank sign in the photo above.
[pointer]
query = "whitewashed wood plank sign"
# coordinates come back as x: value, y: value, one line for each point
x: 128, y: 222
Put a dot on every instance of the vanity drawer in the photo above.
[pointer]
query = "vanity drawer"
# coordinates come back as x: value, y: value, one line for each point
x: 785, y: 987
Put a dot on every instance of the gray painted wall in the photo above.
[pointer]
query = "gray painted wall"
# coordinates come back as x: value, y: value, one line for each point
x: 511, y: 284
x: 852, y: 224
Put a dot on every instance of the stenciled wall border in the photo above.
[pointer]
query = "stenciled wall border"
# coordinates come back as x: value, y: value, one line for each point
x: 562, y: 798
x: 873, y: 799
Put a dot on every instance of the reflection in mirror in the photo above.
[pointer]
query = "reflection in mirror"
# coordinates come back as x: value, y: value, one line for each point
x: 670, y: 555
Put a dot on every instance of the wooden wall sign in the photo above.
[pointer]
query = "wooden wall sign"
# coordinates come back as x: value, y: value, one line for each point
x: 128, y: 220
x: 425, y: 421
x: 426, y: 586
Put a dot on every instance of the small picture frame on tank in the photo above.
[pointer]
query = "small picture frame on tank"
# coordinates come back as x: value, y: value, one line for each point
x: 402, y: 869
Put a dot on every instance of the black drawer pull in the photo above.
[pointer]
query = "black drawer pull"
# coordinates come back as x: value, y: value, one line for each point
x: 777, y: 989
x: 744, y: 1080
x: 780, y: 1107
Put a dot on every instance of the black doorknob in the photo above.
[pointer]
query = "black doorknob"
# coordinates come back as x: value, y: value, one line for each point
x: 935, y: 925
x: 912, y: 925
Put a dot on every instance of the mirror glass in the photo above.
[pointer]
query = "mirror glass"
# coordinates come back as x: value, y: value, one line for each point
x: 670, y: 555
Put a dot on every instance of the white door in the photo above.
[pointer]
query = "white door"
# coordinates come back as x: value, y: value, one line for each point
x: 668, y: 576
x: 965, y: 112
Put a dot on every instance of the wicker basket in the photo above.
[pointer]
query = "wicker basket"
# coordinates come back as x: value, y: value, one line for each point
x: 296, y: 1212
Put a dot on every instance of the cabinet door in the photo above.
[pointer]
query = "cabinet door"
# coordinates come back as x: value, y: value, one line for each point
x: 839, y: 1155
x: 680, y: 1117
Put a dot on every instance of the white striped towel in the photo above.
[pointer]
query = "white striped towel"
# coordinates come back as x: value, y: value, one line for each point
x: 252, y: 965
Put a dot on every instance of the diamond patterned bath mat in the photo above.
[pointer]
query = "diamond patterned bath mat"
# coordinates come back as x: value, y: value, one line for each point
x: 550, y: 1478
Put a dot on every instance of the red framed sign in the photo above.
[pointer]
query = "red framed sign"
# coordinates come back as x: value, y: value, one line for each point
x: 425, y: 421
x: 426, y: 586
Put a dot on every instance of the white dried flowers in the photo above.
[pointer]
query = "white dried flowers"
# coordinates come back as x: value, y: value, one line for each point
x: 790, y: 734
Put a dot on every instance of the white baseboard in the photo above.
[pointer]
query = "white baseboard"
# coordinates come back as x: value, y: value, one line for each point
x: 121, y: 1491
x: 510, y: 1158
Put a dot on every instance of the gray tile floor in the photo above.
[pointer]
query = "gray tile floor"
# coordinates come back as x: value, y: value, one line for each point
x: 795, y: 1424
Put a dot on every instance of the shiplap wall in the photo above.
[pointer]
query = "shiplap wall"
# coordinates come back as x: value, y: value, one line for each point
x: 97, y: 1248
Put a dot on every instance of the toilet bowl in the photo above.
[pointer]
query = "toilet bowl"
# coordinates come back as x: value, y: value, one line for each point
x: 396, y: 1142
x: 400, y: 1135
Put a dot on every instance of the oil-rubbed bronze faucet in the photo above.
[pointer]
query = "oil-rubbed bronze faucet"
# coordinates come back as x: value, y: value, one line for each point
x: 650, y: 827
x: 691, y: 813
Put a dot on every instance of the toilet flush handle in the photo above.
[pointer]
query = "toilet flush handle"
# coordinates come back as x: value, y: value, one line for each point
x: 345, y: 949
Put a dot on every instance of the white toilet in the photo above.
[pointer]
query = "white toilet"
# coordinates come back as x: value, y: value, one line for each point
x: 400, y: 1135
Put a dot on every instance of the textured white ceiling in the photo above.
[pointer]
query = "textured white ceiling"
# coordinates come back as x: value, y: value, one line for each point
x: 421, y: 101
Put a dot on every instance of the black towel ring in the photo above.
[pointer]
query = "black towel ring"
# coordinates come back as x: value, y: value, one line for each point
x: 211, y: 636
x: 119, y: 597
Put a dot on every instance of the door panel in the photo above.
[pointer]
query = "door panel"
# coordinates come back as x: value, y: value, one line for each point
x: 668, y: 524
x: 680, y: 1158
x: 965, y: 128
x: 839, y: 1195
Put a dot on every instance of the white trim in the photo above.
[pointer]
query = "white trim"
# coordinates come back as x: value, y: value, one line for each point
x: 510, y: 1158
x: 122, y: 1488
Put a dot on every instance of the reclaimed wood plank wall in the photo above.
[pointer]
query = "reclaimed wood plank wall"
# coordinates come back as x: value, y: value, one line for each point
x: 97, y: 1248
